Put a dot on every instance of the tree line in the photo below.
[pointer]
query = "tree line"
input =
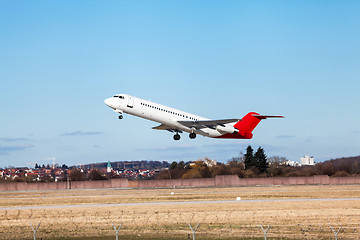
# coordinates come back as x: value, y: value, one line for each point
x: 250, y: 165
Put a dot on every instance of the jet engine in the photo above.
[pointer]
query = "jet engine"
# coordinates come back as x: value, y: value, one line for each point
x: 226, y: 129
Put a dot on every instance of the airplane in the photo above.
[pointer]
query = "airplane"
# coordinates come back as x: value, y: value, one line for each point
x: 177, y: 121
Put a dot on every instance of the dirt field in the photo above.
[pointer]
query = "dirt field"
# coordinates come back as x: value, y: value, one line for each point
x: 306, y: 216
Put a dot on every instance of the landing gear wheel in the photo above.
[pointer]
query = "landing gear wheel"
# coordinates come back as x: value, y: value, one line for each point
x: 192, y: 135
x: 176, y: 137
x: 121, y: 117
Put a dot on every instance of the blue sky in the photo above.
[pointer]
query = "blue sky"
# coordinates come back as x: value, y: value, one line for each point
x: 219, y: 59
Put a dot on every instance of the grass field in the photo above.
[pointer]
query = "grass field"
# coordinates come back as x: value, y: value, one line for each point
x: 296, y: 219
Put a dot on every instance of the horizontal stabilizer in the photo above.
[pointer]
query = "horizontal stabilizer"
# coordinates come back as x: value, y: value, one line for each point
x: 265, y: 116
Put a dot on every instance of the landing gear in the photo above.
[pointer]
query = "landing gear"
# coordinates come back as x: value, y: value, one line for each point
x: 176, y: 137
x: 192, y: 135
x: 120, y: 116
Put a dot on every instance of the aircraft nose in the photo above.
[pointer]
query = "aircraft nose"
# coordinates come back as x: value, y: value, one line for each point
x: 109, y: 102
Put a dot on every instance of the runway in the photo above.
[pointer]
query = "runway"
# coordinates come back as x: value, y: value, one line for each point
x: 179, y: 202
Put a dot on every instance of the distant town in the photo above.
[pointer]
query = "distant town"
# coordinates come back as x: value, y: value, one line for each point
x: 247, y: 165
x: 102, y: 171
x: 94, y: 171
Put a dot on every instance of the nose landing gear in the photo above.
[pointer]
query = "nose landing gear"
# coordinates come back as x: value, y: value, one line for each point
x: 120, y: 117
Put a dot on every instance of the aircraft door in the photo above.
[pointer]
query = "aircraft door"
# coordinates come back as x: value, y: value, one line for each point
x: 130, y: 102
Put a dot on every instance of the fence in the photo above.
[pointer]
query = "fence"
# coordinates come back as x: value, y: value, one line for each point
x: 113, y: 183
x: 192, y: 229
x: 224, y: 180
x: 25, y: 224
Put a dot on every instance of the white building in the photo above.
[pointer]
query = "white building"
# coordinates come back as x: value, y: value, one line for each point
x: 210, y: 163
x: 307, y: 160
x: 289, y: 163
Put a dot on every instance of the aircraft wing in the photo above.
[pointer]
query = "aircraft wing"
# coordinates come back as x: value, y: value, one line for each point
x: 166, y: 127
x: 207, y: 123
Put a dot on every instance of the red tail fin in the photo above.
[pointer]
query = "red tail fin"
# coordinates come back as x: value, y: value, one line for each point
x: 247, y: 124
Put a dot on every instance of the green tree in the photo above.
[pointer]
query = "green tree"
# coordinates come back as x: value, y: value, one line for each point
x: 173, y: 165
x: 249, y: 158
x: 261, y: 160
x: 181, y: 165
x: 64, y: 166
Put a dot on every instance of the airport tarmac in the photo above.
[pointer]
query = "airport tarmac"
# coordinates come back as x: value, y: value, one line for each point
x: 223, y: 212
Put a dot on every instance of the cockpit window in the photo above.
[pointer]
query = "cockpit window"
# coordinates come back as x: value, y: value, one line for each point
x: 117, y: 96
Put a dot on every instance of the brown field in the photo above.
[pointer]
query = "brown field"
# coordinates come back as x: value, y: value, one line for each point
x: 220, y: 220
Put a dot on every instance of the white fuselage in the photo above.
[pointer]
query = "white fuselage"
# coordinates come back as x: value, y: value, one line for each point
x: 123, y: 103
